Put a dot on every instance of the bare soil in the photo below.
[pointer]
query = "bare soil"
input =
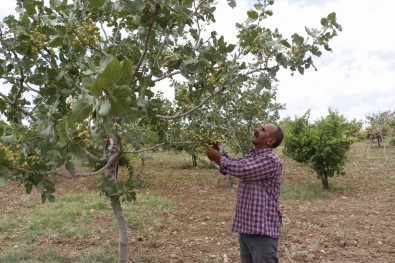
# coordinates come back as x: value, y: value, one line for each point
x: 355, y: 222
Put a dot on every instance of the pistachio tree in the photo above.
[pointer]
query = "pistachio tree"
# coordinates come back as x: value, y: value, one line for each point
x: 241, y: 111
x: 78, y: 74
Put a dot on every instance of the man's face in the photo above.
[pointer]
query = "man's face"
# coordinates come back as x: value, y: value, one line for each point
x: 262, y: 137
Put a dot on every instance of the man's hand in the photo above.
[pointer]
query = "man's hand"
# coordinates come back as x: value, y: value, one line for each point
x: 213, y: 145
x: 213, y: 155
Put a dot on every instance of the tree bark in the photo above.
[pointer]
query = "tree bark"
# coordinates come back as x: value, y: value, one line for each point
x: 142, y: 159
x: 117, y: 209
x: 325, y: 182
x: 123, y: 230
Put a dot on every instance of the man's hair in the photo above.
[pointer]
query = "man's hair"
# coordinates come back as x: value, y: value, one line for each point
x: 278, y: 135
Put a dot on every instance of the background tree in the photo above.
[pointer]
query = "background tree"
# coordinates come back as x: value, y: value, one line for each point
x: 238, y: 112
x: 321, y: 145
x: 380, y: 125
x: 81, y: 73
x: 229, y: 119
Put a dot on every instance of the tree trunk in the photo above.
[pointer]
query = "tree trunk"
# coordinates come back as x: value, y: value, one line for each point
x: 123, y: 230
x: 194, y: 162
x: 142, y: 159
x: 325, y: 182
x: 117, y: 208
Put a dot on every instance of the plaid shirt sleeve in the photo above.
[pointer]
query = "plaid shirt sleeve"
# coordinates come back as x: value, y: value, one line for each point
x: 255, y: 166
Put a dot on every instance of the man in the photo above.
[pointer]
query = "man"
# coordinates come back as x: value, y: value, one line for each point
x: 258, y: 218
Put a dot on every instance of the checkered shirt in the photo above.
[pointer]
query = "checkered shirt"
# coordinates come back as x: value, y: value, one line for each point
x: 257, y: 208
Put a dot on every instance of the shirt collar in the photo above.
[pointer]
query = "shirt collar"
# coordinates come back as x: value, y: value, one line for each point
x: 261, y: 150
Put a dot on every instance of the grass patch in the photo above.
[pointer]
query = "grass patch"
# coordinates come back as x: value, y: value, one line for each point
x: 52, y: 256
x: 13, y: 256
x: 69, y: 217
x: 143, y: 209
x: 102, y: 255
x: 6, y: 223
x: 302, y: 192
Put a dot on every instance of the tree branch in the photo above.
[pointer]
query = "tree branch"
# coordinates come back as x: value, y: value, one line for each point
x: 155, y: 147
x: 179, y: 115
x: 17, y: 107
x: 146, y: 41
x: 110, y: 162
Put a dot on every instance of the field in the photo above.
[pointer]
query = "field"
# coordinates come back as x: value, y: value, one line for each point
x: 183, y: 214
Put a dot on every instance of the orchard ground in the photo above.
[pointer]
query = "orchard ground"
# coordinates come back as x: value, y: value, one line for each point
x: 184, y: 214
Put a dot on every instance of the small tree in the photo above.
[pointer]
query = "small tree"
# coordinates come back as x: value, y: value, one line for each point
x: 321, y: 145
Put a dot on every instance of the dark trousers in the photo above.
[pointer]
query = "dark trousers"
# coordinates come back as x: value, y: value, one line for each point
x: 258, y: 249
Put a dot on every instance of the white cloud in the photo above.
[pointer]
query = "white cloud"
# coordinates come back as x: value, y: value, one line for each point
x: 359, y: 72
x: 7, y: 8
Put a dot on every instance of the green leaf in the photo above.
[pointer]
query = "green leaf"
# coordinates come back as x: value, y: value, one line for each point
x: 156, y: 72
x: 110, y: 75
x: 54, y: 158
x: 51, y: 198
x: 126, y: 73
x: 332, y: 16
x: 70, y: 168
x: 2, y: 157
x: 87, y: 82
x: 269, y: 12
x: 230, y: 48
x: 121, y: 101
x: 44, y: 127
x: 30, y: 8
x: 43, y: 198
x: 57, y: 42
x: 76, y: 147
x: 28, y: 187
x: 95, y: 89
x: 95, y: 3
x: 57, y: 3
x: 326, y: 46
x: 2, y: 105
x: 252, y: 15
x: 37, y: 79
x: 81, y: 109
x: 297, y: 39
x: 301, y: 70
x: 285, y: 43
x: 105, y: 107
x: 324, y: 21
x: 232, y: 3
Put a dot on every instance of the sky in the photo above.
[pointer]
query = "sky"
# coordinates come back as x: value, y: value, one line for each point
x: 357, y: 78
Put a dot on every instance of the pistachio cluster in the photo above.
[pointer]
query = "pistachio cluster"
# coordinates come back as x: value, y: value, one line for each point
x: 13, y: 157
x: 8, y: 154
x: 87, y: 32
x: 207, y: 138
x: 38, y: 40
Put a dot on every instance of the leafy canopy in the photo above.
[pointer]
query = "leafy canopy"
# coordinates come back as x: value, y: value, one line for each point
x: 321, y: 145
x: 82, y: 73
